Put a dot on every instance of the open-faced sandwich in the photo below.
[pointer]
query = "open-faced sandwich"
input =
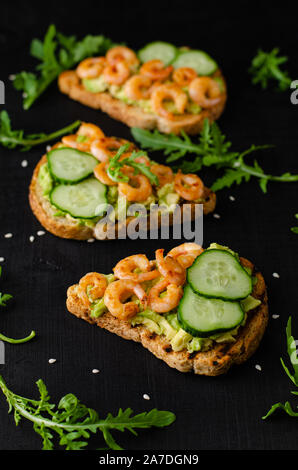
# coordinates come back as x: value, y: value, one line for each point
x: 79, y: 177
x: 197, y: 310
x: 161, y: 87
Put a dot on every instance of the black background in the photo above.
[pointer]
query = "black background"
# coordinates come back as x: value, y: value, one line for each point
x: 212, y: 413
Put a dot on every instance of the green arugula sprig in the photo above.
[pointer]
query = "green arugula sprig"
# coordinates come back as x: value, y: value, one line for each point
x: 56, y: 53
x: 73, y: 423
x: 293, y: 356
x: 115, y: 168
x: 211, y: 150
x: 265, y: 67
x: 14, y: 138
x: 4, y: 298
x: 295, y: 229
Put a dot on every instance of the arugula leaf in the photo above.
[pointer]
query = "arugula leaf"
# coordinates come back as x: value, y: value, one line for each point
x: 284, y: 406
x: 295, y: 229
x: 4, y: 297
x: 56, y: 53
x: 212, y: 149
x: 292, y: 353
x: 116, y: 165
x: 11, y: 139
x: 73, y: 422
x: 265, y: 66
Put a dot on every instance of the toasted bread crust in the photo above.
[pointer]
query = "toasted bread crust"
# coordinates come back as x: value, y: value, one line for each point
x: 69, y: 228
x: 133, y: 116
x: 213, y: 362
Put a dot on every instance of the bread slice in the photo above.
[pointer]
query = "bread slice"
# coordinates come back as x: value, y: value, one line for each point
x: 213, y: 362
x: 69, y: 83
x: 69, y: 228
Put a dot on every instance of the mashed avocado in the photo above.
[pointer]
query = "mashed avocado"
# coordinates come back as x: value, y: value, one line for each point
x: 95, y: 85
x: 45, y: 180
x: 167, y: 195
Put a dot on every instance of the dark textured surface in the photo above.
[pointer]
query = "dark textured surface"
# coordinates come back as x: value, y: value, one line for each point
x: 212, y: 413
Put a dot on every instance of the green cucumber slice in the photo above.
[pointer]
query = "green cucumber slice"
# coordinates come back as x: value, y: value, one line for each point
x: 218, y: 274
x: 204, y: 317
x: 84, y: 200
x: 69, y: 165
x: 201, y: 62
x: 163, y: 51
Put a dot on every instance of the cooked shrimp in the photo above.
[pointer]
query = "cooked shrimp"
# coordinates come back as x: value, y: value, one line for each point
x: 167, y: 302
x: 122, y: 53
x: 205, y: 92
x: 138, y: 188
x: 190, y: 187
x: 116, y: 295
x: 156, y: 70
x: 184, y: 75
x: 170, y: 268
x: 186, y: 253
x: 100, y: 172
x: 91, y: 67
x: 117, y: 73
x: 138, y: 87
x: 87, y: 130
x: 126, y: 267
x: 170, y: 92
x: 96, y: 283
x: 104, y: 149
x: 164, y: 174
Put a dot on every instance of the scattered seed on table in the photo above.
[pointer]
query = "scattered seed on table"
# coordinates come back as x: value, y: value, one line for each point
x: 11, y: 77
x: 52, y: 361
x: 95, y: 371
x: 91, y: 240
x: 258, y: 367
x: 24, y: 163
x: 232, y: 198
x: 146, y: 397
x: 2, y: 259
x: 275, y: 316
x: 8, y: 235
x: 276, y: 275
x: 31, y: 238
x: 216, y: 216
x: 40, y: 233
x: 48, y: 148
x: 24, y: 95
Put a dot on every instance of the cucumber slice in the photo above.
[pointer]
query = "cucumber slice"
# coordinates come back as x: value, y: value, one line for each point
x: 205, y: 317
x: 218, y: 274
x: 158, y: 50
x: 69, y: 165
x: 84, y: 200
x: 198, y: 60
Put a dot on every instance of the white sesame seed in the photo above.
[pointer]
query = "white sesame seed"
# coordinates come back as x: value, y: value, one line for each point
x: 2, y: 259
x: 232, y: 198
x: 236, y: 164
x: 52, y: 361
x: 24, y: 163
x: 216, y: 216
x: 24, y: 95
x: 258, y: 367
x: 11, y: 77
x: 275, y: 316
x: 48, y: 148
x: 276, y: 275
x: 95, y: 371
x: 8, y: 235
x: 40, y: 233
x: 91, y: 240
x: 31, y: 238
x: 146, y: 397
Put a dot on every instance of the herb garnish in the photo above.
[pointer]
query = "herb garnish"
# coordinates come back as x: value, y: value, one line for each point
x: 265, y: 66
x: 56, y: 53
x: 293, y: 356
x: 295, y: 229
x: 115, y: 168
x: 3, y: 299
x: 13, y: 138
x: 73, y: 422
x: 211, y: 150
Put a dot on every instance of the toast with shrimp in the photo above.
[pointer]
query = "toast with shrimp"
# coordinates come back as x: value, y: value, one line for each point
x: 79, y: 178
x: 162, y: 87
x: 150, y: 302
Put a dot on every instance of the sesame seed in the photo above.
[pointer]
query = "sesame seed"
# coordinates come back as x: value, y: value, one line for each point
x: 11, y: 77
x: 236, y: 164
x: 276, y: 275
x: 40, y: 233
x: 216, y: 216
x: 275, y: 316
x: 24, y: 163
x: 258, y: 367
x: 8, y: 235
x: 95, y: 371
x: 31, y: 238
x: 52, y: 361
x: 2, y: 259
x: 48, y: 148
x: 24, y: 95
x: 91, y: 240
x: 232, y: 198
x: 146, y: 397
